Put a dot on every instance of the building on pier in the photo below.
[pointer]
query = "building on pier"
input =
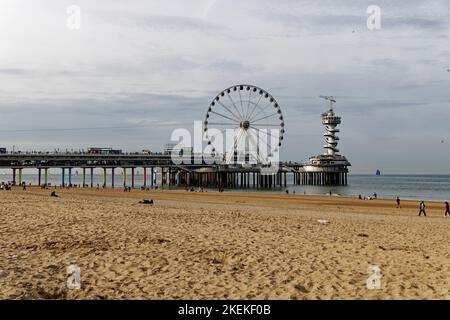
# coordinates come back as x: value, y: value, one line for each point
x: 330, y: 168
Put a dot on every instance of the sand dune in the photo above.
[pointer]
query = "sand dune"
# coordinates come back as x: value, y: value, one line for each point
x: 218, y: 246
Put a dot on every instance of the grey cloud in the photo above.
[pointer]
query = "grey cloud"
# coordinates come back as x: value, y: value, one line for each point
x: 130, y: 77
x: 417, y: 23
x: 147, y: 20
x: 14, y: 71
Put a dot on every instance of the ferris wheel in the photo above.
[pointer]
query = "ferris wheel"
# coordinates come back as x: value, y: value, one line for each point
x: 251, y: 118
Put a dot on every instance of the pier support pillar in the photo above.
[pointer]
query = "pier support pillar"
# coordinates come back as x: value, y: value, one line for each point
x: 39, y: 176
x: 20, y: 176
x: 84, y: 177
x: 46, y: 176
x: 92, y: 177
x: 132, y: 177
x: 104, y: 177
x: 63, y: 177
x: 124, y: 176
x: 112, y: 177
x: 14, y: 176
x: 70, y: 177
x: 169, y: 176
x: 151, y: 177
x: 145, y: 177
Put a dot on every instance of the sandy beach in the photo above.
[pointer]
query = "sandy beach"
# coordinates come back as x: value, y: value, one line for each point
x: 218, y: 246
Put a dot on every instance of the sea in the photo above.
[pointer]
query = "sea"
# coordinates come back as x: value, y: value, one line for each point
x: 415, y: 187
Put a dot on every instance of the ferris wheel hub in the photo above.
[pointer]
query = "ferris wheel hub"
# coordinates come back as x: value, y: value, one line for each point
x: 245, y: 124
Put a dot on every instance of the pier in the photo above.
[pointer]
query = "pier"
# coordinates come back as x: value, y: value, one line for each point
x: 170, y: 174
x: 328, y: 169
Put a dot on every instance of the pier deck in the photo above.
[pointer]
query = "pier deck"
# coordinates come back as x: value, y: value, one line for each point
x: 197, y: 173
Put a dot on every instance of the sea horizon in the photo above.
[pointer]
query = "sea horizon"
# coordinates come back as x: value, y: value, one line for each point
x: 429, y: 187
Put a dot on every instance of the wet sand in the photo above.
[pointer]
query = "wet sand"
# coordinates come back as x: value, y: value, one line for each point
x: 218, y: 246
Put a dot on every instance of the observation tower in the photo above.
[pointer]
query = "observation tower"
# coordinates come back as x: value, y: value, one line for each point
x: 330, y: 168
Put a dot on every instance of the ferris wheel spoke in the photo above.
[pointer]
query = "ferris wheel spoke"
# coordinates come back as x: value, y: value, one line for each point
x: 258, y: 155
x: 242, y: 105
x: 224, y: 116
x: 234, y: 143
x: 254, y: 107
x: 221, y: 123
x: 268, y: 133
x: 270, y: 115
x: 254, y: 138
x: 261, y: 136
x: 248, y: 104
x: 234, y: 105
x: 261, y: 111
x: 221, y: 131
x: 265, y: 125
x: 225, y: 107
x: 233, y: 147
x: 266, y: 143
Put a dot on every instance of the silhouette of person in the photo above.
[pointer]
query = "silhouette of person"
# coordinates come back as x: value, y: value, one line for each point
x: 422, y: 209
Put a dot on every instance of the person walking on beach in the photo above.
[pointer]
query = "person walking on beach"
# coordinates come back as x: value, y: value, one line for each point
x: 422, y: 209
x: 447, y: 209
x: 398, y: 203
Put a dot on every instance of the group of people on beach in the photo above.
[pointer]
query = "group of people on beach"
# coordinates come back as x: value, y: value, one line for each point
x: 372, y: 197
x: 6, y: 186
x: 422, y: 208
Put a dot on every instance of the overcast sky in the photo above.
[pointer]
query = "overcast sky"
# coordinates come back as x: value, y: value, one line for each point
x: 137, y: 70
